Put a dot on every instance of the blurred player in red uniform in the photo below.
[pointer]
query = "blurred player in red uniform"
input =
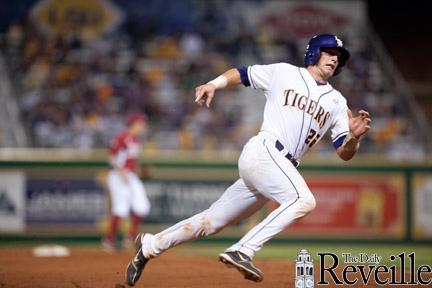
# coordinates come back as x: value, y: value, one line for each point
x: 128, y: 196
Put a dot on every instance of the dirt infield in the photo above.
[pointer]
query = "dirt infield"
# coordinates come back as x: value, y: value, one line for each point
x: 90, y: 267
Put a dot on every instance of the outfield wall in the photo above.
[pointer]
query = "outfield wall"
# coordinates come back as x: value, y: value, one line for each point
x: 361, y: 201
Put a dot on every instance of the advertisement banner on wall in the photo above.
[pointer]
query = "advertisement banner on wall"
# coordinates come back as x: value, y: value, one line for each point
x: 356, y: 205
x: 422, y: 206
x: 85, y: 201
x: 77, y: 201
x: 173, y: 201
x: 306, y: 18
x: 353, y: 206
x: 12, y: 202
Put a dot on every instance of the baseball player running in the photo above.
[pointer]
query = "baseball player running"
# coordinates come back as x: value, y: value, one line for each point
x: 126, y: 189
x: 300, y: 107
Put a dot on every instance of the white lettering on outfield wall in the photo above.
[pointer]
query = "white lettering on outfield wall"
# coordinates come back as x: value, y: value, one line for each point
x: 80, y: 205
x: 12, y: 202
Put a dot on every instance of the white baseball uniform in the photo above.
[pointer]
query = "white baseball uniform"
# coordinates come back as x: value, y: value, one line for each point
x: 130, y: 195
x: 297, y: 113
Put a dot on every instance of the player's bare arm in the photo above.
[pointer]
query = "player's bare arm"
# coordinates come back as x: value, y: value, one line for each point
x: 358, y: 126
x: 204, y: 93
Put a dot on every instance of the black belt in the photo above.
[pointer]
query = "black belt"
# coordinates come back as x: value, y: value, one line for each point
x: 280, y: 147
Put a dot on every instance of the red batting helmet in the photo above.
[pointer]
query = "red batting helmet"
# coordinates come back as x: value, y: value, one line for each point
x: 136, y: 117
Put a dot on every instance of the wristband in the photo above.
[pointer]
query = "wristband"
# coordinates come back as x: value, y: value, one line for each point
x: 220, y: 82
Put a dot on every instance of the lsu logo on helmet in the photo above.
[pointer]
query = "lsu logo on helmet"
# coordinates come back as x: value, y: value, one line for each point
x: 338, y: 41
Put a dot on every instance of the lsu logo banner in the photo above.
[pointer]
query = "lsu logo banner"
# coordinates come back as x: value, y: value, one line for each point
x: 87, y: 19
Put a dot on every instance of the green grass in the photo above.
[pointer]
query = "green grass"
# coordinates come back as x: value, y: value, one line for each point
x: 273, y: 250
x: 423, y: 253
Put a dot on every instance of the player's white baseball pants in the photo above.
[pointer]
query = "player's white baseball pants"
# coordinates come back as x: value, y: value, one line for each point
x: 264, y: 174
x: 127, y: 196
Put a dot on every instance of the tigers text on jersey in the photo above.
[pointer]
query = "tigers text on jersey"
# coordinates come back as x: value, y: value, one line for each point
x: 298, y: 110
x: 124, y: 151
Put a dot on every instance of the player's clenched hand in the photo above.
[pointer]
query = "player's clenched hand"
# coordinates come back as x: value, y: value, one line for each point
x: 360, y: 124
x: 204, y: 94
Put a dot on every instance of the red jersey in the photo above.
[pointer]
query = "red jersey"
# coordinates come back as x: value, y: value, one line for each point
x: 124, y: 151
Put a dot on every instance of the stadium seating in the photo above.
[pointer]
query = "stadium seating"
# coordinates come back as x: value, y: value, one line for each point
x: 74, y: 93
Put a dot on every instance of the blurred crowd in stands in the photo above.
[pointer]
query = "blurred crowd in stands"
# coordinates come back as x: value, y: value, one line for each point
x: 75, y: 93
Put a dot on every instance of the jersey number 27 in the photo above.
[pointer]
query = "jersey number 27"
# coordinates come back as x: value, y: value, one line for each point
x: 312, y: 138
